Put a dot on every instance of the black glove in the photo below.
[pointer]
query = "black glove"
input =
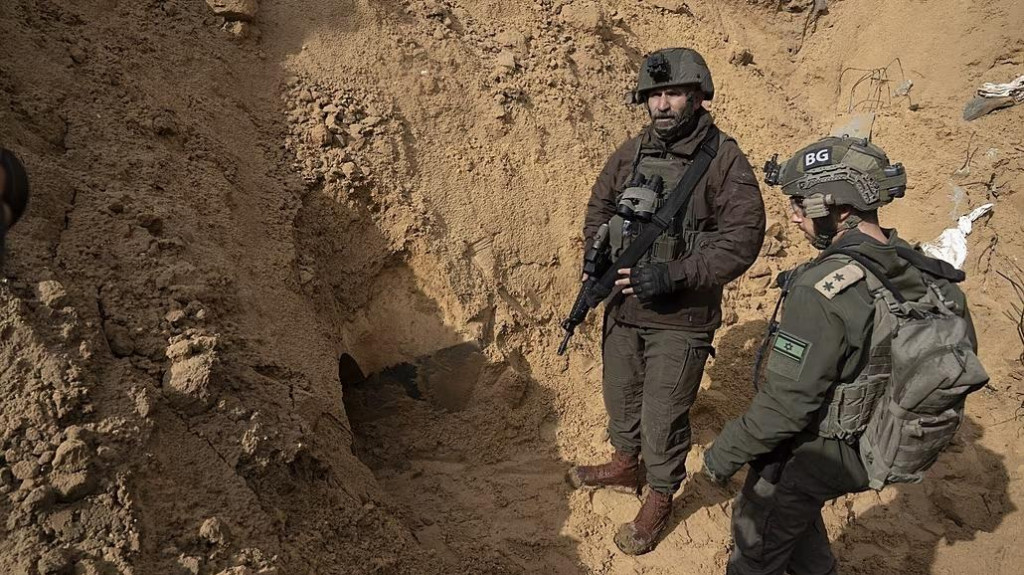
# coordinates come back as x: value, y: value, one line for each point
x: 650, y: 280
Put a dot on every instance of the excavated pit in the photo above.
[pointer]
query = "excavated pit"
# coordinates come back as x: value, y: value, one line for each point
x: 465, y: 450
x: 287, y: 295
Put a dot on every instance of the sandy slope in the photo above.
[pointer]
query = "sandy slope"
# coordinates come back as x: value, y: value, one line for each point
x: 401, y: 184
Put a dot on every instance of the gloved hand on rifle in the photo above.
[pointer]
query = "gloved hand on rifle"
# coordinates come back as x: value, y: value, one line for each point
x: 646, y: 281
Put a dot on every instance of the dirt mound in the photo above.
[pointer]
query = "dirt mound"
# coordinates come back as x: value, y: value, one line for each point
x: 287, y: 296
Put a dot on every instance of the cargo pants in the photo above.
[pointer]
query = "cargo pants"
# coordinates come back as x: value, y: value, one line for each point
x: 651, y: 378
x: 777, y: 526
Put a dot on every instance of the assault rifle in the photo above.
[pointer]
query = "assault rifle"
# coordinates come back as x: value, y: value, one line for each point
x: 595, y: 264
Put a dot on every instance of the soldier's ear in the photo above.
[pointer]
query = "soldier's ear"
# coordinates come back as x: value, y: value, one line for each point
x: 842, y: 213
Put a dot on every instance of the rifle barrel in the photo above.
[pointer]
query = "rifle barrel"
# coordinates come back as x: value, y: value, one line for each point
x: 565, y: 343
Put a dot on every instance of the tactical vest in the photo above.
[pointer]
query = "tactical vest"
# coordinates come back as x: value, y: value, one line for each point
x: 681, y: 235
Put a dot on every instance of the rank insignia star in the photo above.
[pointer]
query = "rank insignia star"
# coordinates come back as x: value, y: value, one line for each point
x: 838, y: 280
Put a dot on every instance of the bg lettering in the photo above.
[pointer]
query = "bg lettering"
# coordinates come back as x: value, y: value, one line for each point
x: 818, y: 157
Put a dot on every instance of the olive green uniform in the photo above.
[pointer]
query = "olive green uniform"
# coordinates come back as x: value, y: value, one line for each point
x: 654, y: 353
x: 824, y: 339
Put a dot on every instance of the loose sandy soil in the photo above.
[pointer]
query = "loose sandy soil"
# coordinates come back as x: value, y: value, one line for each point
x: 287, y: 296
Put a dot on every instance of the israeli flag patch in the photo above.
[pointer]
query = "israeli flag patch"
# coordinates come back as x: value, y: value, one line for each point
x: 791, y: 347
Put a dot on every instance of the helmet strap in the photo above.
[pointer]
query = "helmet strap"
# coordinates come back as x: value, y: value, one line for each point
x: 851, y: 222
x: 825, y: 230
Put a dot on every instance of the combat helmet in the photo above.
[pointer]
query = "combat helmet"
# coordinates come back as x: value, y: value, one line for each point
x: 838, y: 171
x: 673, y: 67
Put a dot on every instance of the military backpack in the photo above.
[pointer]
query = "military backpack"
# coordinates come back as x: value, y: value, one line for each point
x: 908, y: 402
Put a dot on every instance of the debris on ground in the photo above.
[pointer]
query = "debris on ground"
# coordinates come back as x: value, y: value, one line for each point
x: 992, y: 97
x: 951, y: 244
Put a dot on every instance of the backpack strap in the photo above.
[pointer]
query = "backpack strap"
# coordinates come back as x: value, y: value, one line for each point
x: 930, y: 265
x: 874, y: 270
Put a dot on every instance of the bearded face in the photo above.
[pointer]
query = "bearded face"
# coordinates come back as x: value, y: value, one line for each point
x: 673, y: 111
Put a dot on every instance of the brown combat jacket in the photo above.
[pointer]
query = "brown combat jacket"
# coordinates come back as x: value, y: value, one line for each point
x: 729, y: 212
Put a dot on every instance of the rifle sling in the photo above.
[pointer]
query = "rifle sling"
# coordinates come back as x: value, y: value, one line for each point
x: 678, y: 199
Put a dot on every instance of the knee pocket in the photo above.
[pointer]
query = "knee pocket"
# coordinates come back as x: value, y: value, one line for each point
x: 659, y: 434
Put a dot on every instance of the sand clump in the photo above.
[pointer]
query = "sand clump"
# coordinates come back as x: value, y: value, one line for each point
x: 287, y: 296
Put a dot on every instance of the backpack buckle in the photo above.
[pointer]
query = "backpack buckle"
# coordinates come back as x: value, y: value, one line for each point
x: 890, y: 301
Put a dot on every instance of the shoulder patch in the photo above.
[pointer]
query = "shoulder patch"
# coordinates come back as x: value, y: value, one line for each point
x: 839, y: 280
x: 791, y: 346
x: 788, y: 355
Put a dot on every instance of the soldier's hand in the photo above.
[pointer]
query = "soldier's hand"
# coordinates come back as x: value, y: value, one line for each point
x: 649, y: 281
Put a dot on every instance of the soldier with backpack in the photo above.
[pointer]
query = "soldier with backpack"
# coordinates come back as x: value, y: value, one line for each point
x: 867, y: 370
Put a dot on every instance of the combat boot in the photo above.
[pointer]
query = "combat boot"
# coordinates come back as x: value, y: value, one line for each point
x: 623, y: 473
x: 641, y: 535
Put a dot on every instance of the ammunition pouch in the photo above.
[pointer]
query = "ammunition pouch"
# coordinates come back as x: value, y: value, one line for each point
x: 665, y: 249
x: 679, y: 238
x: 668, y: 247
x: 847, y: 414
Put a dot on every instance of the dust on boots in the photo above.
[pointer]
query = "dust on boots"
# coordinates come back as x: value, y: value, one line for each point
x: 641, y: 535
x: 624, y: 473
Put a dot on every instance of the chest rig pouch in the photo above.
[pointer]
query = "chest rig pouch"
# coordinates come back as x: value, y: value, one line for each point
x: 652, y: 180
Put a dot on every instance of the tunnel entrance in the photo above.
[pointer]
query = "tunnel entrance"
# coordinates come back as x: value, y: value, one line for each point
x: 464, y: 447
x: 445, y: 379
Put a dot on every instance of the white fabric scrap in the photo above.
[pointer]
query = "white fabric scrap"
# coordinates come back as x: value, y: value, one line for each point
x: 951, y: 245
x: 1014, y: 88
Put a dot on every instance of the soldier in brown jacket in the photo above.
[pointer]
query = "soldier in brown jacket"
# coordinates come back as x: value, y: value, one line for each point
x: 660, y: 322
